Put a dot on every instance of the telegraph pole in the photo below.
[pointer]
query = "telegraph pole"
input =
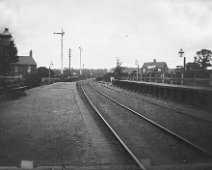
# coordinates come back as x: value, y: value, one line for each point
x: 62, y: 34
x: 80, y: 60
x: 69, y: 62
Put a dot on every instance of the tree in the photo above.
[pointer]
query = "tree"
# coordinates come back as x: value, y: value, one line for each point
x: 134, y: 73
x: 118, y: 71
x: 44, y: 72
x: 8, y: 55
x: 195, y: 70
x: 203, y: 57
x: 33, y: 80
x: 107, y: 76
x: 193, y: 66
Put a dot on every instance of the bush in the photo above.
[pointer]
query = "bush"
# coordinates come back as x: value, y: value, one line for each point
x: 99, y: 78
x: 33, y: 80
x: 107, y: 77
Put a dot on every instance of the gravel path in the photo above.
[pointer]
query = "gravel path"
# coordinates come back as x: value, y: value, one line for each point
x: 144, y: 139
x: 52, y: 126
x: 196, y: 130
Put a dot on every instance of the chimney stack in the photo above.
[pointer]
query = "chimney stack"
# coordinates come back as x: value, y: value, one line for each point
x: 30, y: 53
x: 154, y: 61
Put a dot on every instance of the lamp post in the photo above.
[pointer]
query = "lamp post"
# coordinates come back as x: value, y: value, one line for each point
x: 69, y: 62
x: 62, y: 34
x: 137, y: 63
x: 181, y: 54
x: 83, y: 72
x: 80, y: 59
x: 51, y: 64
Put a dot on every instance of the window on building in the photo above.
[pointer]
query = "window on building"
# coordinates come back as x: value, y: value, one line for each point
x: 16, y: 69
x: 144, y: 70
x: 29, y: 69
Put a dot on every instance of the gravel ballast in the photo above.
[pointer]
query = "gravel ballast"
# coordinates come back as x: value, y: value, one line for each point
x: 196, y: 130
x: 144, y: 139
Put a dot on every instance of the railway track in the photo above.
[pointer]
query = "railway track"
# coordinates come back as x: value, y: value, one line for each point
x: 154, y: 123
x: 192, y: 128
x: 113, y: 131
x: 133, y: 155
x: 114, y: 88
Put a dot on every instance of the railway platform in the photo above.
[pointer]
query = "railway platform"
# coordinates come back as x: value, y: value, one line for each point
x: 193, y: 95
x: 51, y: 126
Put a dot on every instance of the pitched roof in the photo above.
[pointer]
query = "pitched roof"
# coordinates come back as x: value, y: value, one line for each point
x: 25, y: 60
x: 158, y: 64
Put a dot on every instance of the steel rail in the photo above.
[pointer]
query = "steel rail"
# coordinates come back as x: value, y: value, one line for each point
x: 113, y: 131
x: 200, y: 106
x: 156, y: 124
x: 153, y: 103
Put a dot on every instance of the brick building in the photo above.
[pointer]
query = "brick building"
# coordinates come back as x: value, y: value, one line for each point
x: 152, y: 67
x: 25, y: 66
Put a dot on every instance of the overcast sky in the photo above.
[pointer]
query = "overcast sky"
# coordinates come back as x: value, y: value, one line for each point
x: 107, y: 29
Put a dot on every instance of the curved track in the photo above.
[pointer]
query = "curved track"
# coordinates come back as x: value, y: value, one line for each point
x: 139, y: 163
x: 114, y: 88
x: 114, y: 132
x: 156, y: 124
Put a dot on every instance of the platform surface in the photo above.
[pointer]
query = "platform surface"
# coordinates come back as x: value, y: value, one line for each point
x: 51, y: 126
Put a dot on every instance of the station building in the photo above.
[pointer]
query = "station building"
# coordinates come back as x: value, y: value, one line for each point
x: 152, y: 67
x: 25, y: 66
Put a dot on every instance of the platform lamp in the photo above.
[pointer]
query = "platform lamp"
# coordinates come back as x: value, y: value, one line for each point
x: 80, y: 60
x: 181, y: 54
x: 69, y: 55
x: 51, y: 64
x: 137, y: 64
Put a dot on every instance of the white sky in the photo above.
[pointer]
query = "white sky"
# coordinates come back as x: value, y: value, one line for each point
x: 107, y: 29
